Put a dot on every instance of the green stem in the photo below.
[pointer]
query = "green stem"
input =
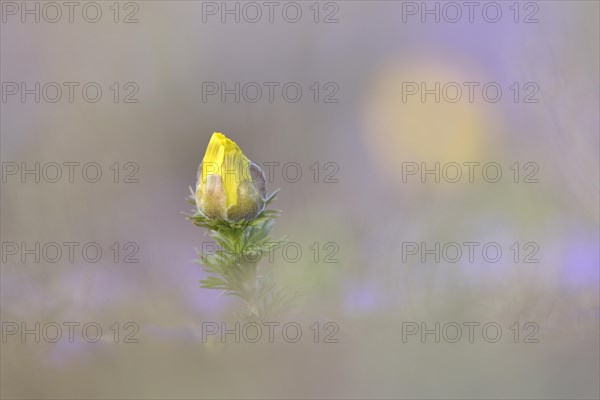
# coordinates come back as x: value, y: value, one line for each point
x: 235, y: 268
x: 251, y: 287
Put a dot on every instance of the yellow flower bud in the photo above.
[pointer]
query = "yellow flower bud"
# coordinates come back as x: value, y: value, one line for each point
x: 229, y: 187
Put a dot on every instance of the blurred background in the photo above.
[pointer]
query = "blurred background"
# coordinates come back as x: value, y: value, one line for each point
x: 355, y: 203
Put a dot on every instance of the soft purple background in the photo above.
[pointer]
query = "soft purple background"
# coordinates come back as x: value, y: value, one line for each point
x: 369, y: 213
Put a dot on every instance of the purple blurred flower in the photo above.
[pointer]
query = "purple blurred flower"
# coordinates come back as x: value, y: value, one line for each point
x: 582, y: 262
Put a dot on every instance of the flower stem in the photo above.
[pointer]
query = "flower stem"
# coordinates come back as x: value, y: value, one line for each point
x: 234, y: 268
